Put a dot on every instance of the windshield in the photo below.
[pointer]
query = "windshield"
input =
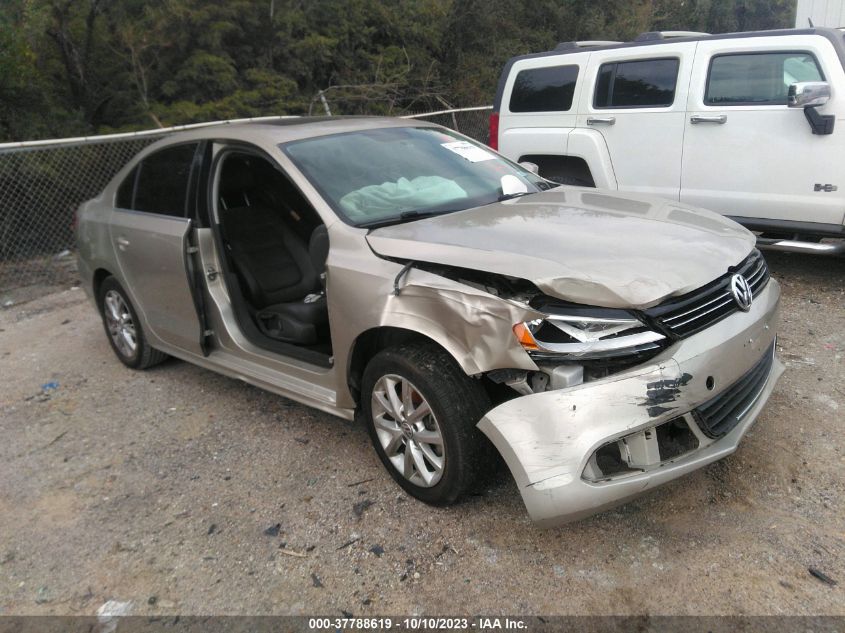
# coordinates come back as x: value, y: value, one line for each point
x: 388, y: 175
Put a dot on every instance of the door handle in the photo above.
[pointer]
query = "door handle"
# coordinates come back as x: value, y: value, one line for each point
x: 721, y: 119
x: 606, y: 120
x: 122, y: 243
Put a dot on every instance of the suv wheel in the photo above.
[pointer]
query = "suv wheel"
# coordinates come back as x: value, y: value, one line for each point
x: 124, y: 329
x: 421, y: 411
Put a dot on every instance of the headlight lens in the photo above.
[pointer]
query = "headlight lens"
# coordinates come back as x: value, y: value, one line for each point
x: 583, y: 337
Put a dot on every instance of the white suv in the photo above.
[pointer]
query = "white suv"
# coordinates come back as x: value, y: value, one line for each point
x: 744, y: 124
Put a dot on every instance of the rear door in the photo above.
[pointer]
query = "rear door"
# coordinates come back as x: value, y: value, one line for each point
x: 746, y: 153
x: 636, y: 100
x: 151, y: 231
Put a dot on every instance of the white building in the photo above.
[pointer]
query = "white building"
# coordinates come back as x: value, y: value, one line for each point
x: 821, y: 12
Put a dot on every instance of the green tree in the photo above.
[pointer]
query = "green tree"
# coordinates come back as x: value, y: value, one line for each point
x: 85, y: 66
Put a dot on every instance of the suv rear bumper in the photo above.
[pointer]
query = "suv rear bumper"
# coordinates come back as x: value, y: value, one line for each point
x: 548, y: 439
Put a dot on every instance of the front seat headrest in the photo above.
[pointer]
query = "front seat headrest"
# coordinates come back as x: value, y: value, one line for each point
x: 318, y: 248
x: 238, y: 178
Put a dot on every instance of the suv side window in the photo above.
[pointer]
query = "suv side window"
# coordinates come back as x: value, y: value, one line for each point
x: 162, y: 181
x: 757, y: 78
x: 544, y: 89
x: 646, y: 83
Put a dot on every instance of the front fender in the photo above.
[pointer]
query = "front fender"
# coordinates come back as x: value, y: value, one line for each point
x: 475, y: 327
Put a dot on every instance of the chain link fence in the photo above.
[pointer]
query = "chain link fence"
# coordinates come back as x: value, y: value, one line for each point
x: 471, y: 122
x: 43, y: 182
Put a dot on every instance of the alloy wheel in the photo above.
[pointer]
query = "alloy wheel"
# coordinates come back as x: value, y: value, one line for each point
x: 408, y: 431
x: 120, y: 325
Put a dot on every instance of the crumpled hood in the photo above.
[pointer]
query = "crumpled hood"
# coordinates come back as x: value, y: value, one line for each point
x: 582, y: 245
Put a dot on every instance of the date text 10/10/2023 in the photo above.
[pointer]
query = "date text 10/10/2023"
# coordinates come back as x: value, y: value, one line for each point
x: 418, y: 623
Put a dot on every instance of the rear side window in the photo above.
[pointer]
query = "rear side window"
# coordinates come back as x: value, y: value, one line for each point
x: 758, y: 78
x: 646, y: 83
x: 162, y: 181
x: 544, y: 89
x: 126, y: 191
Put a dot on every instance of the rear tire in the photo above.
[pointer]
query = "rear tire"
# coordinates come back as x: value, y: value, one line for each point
x: 123, y: 328
x: 421, y: 412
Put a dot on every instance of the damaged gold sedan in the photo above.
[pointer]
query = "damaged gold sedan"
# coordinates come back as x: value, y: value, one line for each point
x: 455, y: 301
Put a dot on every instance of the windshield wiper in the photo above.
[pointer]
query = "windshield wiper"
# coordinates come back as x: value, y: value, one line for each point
x: 516, y: 194
x: 405, y: 216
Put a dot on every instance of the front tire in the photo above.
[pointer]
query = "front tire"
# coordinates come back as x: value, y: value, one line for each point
x: 123, y: 329
x: 421, y: 412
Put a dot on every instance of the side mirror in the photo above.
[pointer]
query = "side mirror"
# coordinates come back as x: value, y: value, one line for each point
x: 807, y: 94
x: 534, y: 168
x: 512, y: 186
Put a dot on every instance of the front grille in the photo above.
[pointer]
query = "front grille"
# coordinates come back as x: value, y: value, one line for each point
x: 721, y: 414
x: 686, y: 315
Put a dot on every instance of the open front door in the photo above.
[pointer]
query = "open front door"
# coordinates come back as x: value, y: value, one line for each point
x: 153, y: 242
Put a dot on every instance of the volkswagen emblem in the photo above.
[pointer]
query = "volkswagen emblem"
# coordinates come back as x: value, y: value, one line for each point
x: 741, y: 292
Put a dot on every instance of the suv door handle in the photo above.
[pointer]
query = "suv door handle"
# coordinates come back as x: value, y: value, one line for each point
x: 606, y: 120
x: 721, y: 119
x: 122, y: 243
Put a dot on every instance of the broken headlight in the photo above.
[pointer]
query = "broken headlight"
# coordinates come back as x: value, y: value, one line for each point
x: 588, y: 335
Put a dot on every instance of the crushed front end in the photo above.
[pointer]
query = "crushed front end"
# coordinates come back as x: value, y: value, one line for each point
x: 594, y: 435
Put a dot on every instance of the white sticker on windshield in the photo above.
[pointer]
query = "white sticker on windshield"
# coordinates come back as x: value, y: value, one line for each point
x: 469, y: 151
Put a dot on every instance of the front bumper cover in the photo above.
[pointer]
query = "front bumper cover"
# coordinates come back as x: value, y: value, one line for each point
x: 547, y: 438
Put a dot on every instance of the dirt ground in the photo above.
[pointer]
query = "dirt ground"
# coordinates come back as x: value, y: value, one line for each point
x: 181, y: 491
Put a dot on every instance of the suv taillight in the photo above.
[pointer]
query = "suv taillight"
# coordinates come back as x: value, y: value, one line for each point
x: 493, y: 140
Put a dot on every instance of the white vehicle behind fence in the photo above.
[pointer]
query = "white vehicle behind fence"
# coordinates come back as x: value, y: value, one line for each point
x: 746, y: 124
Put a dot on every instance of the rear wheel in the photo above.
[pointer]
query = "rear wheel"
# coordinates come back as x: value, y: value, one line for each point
x: 421, y: 411
x: 124, y: 329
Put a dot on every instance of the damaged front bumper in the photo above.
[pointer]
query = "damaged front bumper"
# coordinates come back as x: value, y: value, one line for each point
x: 574, y: 452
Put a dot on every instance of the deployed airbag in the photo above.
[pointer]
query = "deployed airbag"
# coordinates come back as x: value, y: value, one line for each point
x: 376, y: 201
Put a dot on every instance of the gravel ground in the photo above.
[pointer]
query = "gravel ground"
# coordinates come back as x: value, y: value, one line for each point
x: 182, y: 491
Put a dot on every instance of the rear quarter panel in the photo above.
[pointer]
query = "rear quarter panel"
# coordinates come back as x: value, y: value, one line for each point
x: 94, y: 250
x: 522, y: 133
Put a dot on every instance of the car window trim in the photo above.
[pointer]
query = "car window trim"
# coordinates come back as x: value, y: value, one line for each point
x: 747, y: 54
x: 194, y: 184
x: 613, y: 80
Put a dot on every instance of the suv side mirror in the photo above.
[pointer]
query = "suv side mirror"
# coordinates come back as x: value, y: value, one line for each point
x: 809, y: 95
x: 806, y: 94
x: 532, y: 167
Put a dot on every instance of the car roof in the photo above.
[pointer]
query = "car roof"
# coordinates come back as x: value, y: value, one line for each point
x: 283, y: 130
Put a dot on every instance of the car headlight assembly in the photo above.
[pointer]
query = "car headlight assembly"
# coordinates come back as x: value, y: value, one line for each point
x: 584, y: 336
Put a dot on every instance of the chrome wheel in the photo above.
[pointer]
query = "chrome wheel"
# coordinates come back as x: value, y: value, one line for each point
x: 408, y: 431
x: 119, y: 323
